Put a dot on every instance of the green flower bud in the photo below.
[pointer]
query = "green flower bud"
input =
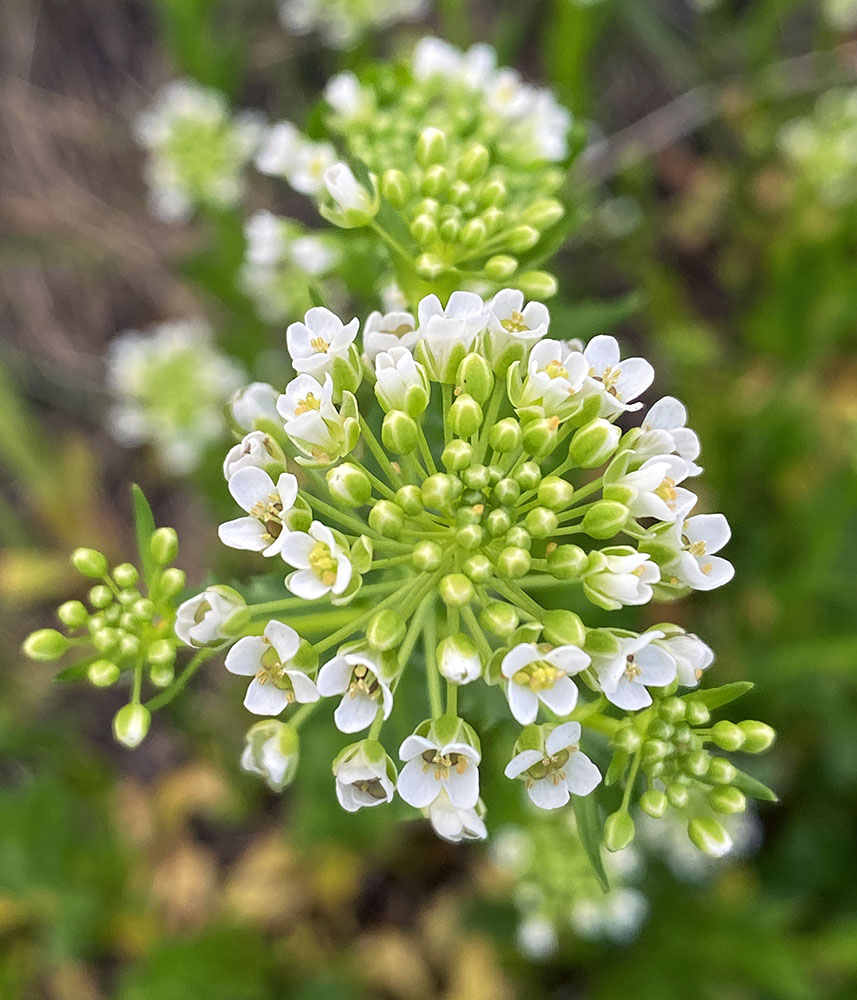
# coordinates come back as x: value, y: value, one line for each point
x: 678, y: 795
x: 172, y: 583
x: 129, y: 597
x: 450, y: 230
x: 505, y: 435
x: 459, y: 192
x: 721, y: 771
x: 161, y: 652
x: 164, y: 546
x: 435, y: 180
x: 494, y: 218
x: 385, y: 630
x: 458, y: 659
x: 437, y: 490
x: 506, y: 492
x: 129, y: 645
x: 130, y: 725
x: 399, y: 432
x: 475, y: 378
x: 478, y: 567
x: 605, y: 519
x: 465, y: 416
x: 476, y: 477
x: 424, y: 230
x: 654, y: 802
x: 672, y: 709
x: 495, y: 192
x: 126, y: 575
x: 474, y: 234
x: 628, y: 739
x: 513, y: 562
x: 427, y: 556
x: 618, y: 831
x: 660, y: 729
x: 708, y: 836
x: 361, y: 554
x: 410, y: 499
x: 697, y: 713
x: 555, y: 493
x: 758, y: 736
x: 528, y: 476
x: 566, y: 562
x: 519, y: 536
x: 653, y: 750
x: 497, y: 523
x: 728, y: 800
x: 545, y: 213
x: 501, y: 267
x: 162, y: 674
x: 522, y: 238
x: 395, y: 188
x: 386, y: 518
x: 541, y: 522
x: 564, y: 628
x: 272, y: 750
x: 457, y: 455
x: 45, y: 644
x: 102, y: 673
x: 100, y: 596
x: 697, y: 762
x: 431, y: 147
x: 727, y: 735
x: 349, y: 485
x: 537, y: 284
x: 594, y: 443
x: 72, y: 614
x: 470, y: 537
x: 473, y: 163
x: 429, y: 266
x: 455, y: 590
x: 539, y: 436
x: 499, y: 619
x: 89, y: 562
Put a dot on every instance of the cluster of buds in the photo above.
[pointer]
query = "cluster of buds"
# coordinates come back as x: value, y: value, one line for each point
x: 342, y: 23
x: 460, y: 485
x: 170, y: 384
x: 197, y: 150
x: 451, y: 161
x: 127, y: 629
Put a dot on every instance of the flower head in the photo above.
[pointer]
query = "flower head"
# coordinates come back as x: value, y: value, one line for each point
x: 365, y: 776
x: 267, y: 505
x: 270, y: 659
x: 556, y: 769
x: 360, y: 679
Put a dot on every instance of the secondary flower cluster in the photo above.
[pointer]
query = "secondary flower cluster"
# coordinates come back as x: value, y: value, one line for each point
x: 451, y: 160
x: 342, y: 23
x: 170, y: 384
x: 482, y: 467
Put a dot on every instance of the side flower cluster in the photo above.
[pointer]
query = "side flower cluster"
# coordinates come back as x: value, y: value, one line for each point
x: 342, y: 23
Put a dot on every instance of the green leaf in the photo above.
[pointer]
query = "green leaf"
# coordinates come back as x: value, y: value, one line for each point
x: 144, y: 527
x: 589, y: 830
x: 719, y: 696
x: 753, y: 787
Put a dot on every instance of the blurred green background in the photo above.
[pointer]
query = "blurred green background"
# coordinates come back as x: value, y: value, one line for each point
x: 168, y: 873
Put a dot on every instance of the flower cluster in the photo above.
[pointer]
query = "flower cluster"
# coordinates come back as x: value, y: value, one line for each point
x: 170, y: 384
x: 342, y: 23
x: 822, y: 148
x: 452, y: 161
x: 197, y: 150
x: 475, y: 490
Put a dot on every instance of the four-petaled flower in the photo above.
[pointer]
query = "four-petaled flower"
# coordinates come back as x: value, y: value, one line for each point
x: 554, y: 375
x: 455, y: 823
x: 321, y: 566
x: 619, y: 382
x: 316, y: 342
x: 269, y: 660
x: 432, y: 767
x: 557, y: 770
x: 638, y: 664
x: 364, y: 689
x: 263, y: 530
x: 697, y: 566
x: 365, y: 776
x: 539, y: 673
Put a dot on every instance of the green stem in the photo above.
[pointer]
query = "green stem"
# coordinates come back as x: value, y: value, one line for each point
x: 497, y: 394
x: 303, y: 713
x: 513, y: 593
x: 432, y: 675
x: 629, y: 787
x: 425, y: 450
x: 379, y: 484
x: 288, y: 603
x: 451, y: 699
x: 181, y: 682
x: 392, y: 561
x: 446, y: 403
x: 381, y: 457
x: 377, y: 722
x: 476, y: 633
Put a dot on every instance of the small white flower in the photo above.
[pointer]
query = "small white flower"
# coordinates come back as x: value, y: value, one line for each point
x: 256, y: 401
x: 321, y: 565
x: 355, y: 204
x: 447, y: 334
x: 537, y: 674
x: 618, y: 382
x: 454, y: 823
x: 554, y: 375
x: 271, y: 751
x: 507, y: 95
x: 620, y: 576
x: 399, y: 379
x: 315, y: 255
x: 383, y: 332
x: 265, y: 236
x: 697, y: 566
x: 277, y: 155
x: 434, y: 57
x: 558, y: 771
x: 255, y: 450
x: 345, y: 95
x: 692, y: 657
x: 309, y: 416
x: 433, y: 768
x: 316, y: 342
x: 312, y: 161
x: 200, y: 619
x: 511, y: 324
x: 360, y: 681
x: 624, y: 676
x: 365, y: 776
x: 269, y: 659
x: 654, y: 489
x: 543, y: 131
x: 664, y: 431
x: 458, y: 659
x: 263, y: 530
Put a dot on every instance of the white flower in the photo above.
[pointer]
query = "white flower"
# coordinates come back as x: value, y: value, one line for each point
x: 556, y: 772
x: 360, y: 681
x: 433, y: 767
x: 554, y: 374
x: 454, y: 823
x: 476, y: 65
x: 639, y: 663
x: 619, y: 575
x: 383, y: 332
x: 511, y: 324
x: 277, y: 155
x: 311, y: 163
x: 256, y: 401
x: 321, y: 565
x: 507, y: 95
x: 310, y: 418
x: 314, y: 254
x: 265, y: 236
x: 544, y: 129
x: 448, y: 334
x: 434, y: 57
x: 356, y: 205
x: 345, y: 95
x: 315, y: 343
x: 255, y: 450
x: 271, y: 751
x: 269, y: 659
x: 365, y: 776
x: 664, y: 431
x: 458, y: 659
x: 696, y: 566
x: 537, y: 674
x: 400, y: 379
x: 619, y: 382
x: 654, y: 491
x: 692, y: 657
x: 263, y: 530
x: 200, y: 619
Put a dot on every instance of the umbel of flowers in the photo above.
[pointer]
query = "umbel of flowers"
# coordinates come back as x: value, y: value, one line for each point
x: 453, y: 163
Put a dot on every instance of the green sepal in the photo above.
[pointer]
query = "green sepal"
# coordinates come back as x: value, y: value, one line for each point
x: 350, y: 592
x: 720, y: 696
x: 753, y: 787
x: 492, y: 673
x: 616, y: 769
x: 361, y: 554
x: 531, y: 737
x: 144, y: 528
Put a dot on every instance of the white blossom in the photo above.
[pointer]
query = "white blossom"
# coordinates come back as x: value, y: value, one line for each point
x: 554, y: 375
x: 383, y: 332
x: 271, y: 751
x: 456, y: 823
x: 619, y: 575
x: 692, y: 657
x: 618, y: 382
x: 255, y: 450
x: 318, y: 340
x: 624, y: 676
x: 558, y: 771
x: 664, y: 431
x: 445, y: 333
x: 310, y: 418
x: 697, y: 566
x: 398, y: 378
x: 364, y: 689
x: 365, y: 776
x: 321, y: 566
x: 200, y: 620
x: 654, y: 490
x: 263, y: 529
x: 345, y: 95
x: 536, y: 674
x: 256, y: 401
x: 458, y: 659
x: 513, y: 324
x: 270, y: 660
x: 432, y: 767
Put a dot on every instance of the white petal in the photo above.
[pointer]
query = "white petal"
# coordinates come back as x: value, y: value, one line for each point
x: 667, y: 414
x: 629, y: 695
x: 355, y: 713
x: 265, y: 699
x: 463, y: 787
x: 602, y: 352
x: 657, y: 667
x: 296, y: 549
x: 523, y: 703
x: 304, y: 583
x: 283, y: 638
x: 245, y: 657
x: 243, y: 533
x: 565, y: 735
x: 417, y: 784
x: 635, y: 376
x: 304, y: 687
x: 519, y: 657
x: 334, y: 676
x: 548, y: 793
x: 581, y: 774
x: 522, y: 762
x: 287, y: 487
x: 712, y: 529
x: 250, y: 485
x: 571, y: 659
x: 561, y: 698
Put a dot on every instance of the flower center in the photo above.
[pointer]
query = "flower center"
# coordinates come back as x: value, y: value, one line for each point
x: 515, y: 323
x: 608, y: 378
x: 556, y: 369
x: 319, y: 344
x: 551, y: 765
x: 632, y: 671
x: 400, y: 331
x: 371, y: 787
x: 537, y: 676
x: 323, y: 564
x: 667, y: 491
x: 697, y: 549
x: 444, y: 763
x: 309, y: 402
x: 363, y: 681
x: 270, y: 513
x: 273, y: 671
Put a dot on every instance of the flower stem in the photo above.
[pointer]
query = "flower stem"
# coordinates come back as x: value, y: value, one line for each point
x: 497, y: 394
x: 380, y: 455
x: 432, y: 675
x: 451, y: 699
x: 425, y: 450
x: 377, y: 722
x: 512, y: 592
x: 181, y: 682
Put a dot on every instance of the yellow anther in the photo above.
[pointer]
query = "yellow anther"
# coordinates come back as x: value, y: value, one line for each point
x: 319, y: 344
x: 309, y: 402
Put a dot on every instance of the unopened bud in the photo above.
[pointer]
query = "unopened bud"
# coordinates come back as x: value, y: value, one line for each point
x: 427, y: 556
x: 102, y: 673
x: 161, y: 652
x: 429, y: 266
x: 545, y: 213
x: 456, y: 590
x: 541, y: 522
x: 410, y: 499
x: 605, y: 519
x: 758, y: 736
x: 126, y: 575
x: 399, y: 432
x: 522, y: 238
x: 499, y: 619
x: 424, y: 230
x: 349, y: 485
x: 162, y: 674
x: 627, y: 738
x: 386, y: 518
x: 721, y: 771
x: 465, y: 416
x: 678, y: 795
x: 458, y: 659
x: 495, y: 192
x: 618, y: 831
x: 727, y: 735
x: 435, y: 180
x: 537, y: 284
x: 473, y: 163
x: 431, y: 147
x: 45, y: 644
x: 457, y: 455
x: 500, y: 267
x: 654, y: 802
x: 563, y: 628
x: 478, y: 567
x: 89, y: 562
x: 474, y: 233
x: 697, y: 713
x: 395, y: 187
x: 709, y: 836
x: 385, y: 630
x: 437, y: 490
x: 539, y: 436
x: 519, y: 536
x: 727, y: 800
x: 505, y: 435
x: 130, y: 725
x: 72, y: 614
x: 513, y: 562
x: 528, y: 476
x: 594, y: 443
x: 474, y: 377
x: 100, y: 596
x: 172, y: 582
x: 567, y: 562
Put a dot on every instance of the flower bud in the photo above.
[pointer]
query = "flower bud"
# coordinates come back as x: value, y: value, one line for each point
x: 618, y: 831
x: 653, y: 750
x: 474, y: 377
x: 365, y: 775
x: 478, y: 567
x: 386, y: 518
x: 507, y: 492
x: 474, y: 233
x: 672, y: 709
x: 207, y: 619
x: 499, y: 619
x: 161, y: 652
x: 505, y: 435
x: 495, y: 192
x: 470, y: 537
x: 349, y: 485
x: 435, y: 180
x: 513, y: 562
x: 162, y: 674
x: 539, y: 436
x: 130, y: 725
x: 501, y: 267
x: 473, y: 163
x: 164, y: 546
x: 458, y: 659
x: 627, y: 738
x: 129, y: 645
x: 544, y: 213
x: 537, y: 284
x: 709, y: 836
x: 429, y: 266
x: 104, y: 639
x: 102, y: 673
x: 555, y: 493
x: 519, y: 536
x: 758, y: 736
x: 437, y: 490
x: 455, y: 590
x: 450, y: 230
x: 465, y: 416
x: 395, y: 187
x: 126, y: 575
x: 678, y: 795
x: 72, y: 614
x: 697, y: 713
x: 89, y: 562
x: 410, y: 499
x: 594, y: 443
x: 567, y: 562
x: 541, y: 522
x: 721, y: 771
x: 100, y: 596
x: 431, y: 147
x: 564, y: 628
x: 605, y: 519
x: 660, y: 729
x: 528, y: 476
x: 45, y: 644
x: 696, y: 763
x: 727, y: 800
x: 172, y: 583
x: 727, y: 735
x: 385, y: 630
x: 457, y: 455
x: 272, y: 750
x: 424, y: 230
x: 399, y: 432
x: 427, y: 556
x: 522, y: 238
x: 654, y: 802
x: 475, y: 477
x: 497, y: 523
x: 459, y: 192
x: 354, y: 206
